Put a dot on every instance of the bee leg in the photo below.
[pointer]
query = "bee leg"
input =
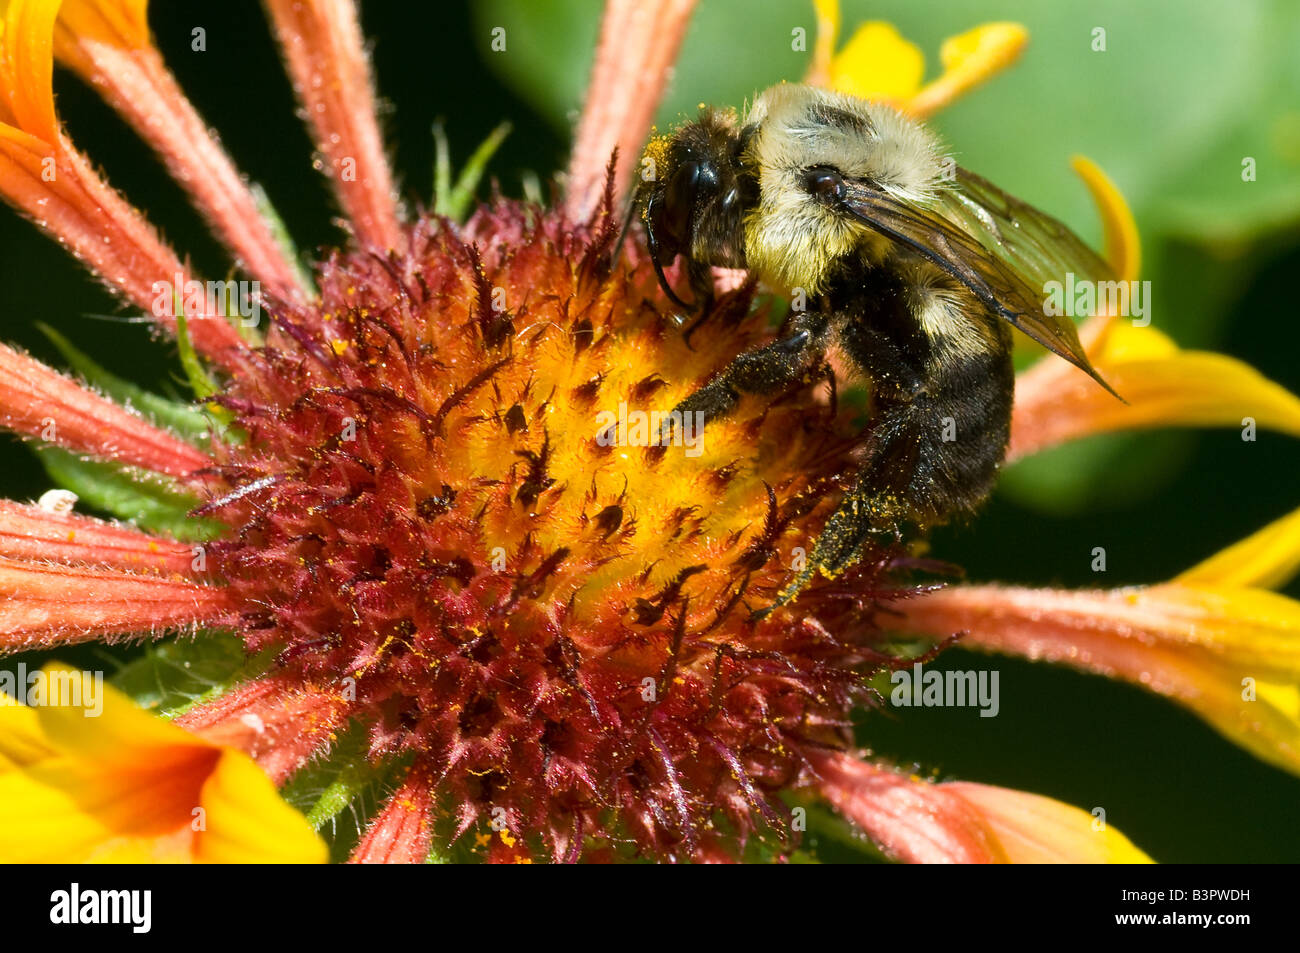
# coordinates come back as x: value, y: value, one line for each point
x: 932, y: 454
x: 861, y: 514
x: 764, y: 370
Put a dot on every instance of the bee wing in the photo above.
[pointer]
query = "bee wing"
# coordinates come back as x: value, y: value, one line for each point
x: 1036, y: 245
x: 975, y: 247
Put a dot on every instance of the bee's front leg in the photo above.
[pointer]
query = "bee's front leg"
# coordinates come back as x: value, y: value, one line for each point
x: 765, y: 370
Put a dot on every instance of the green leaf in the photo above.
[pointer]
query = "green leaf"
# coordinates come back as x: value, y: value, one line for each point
x: 174, y: 675
x: 146, y: 499
x: 182, y: 419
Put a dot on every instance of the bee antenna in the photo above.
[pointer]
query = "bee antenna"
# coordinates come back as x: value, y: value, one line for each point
x: 627, y: 227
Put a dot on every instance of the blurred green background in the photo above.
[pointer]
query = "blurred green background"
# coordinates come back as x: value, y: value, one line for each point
x: 1184, y: 90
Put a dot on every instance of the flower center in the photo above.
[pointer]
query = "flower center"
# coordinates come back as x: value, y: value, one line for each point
x: 467, y: 499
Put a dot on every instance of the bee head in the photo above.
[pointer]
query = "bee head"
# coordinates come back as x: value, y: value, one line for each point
x: 810, y: 145
x: 695, y: 193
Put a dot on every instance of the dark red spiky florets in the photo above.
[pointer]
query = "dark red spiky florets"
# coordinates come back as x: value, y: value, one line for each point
x: 434, y: 507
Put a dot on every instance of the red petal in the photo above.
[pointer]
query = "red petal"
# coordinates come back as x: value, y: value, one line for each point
x: 37, y: 401
x: 49, y: 605
x: 278, y: 721
x: 35, y: 535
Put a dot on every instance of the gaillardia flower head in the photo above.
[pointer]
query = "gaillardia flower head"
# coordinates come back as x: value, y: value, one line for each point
x: 467, y: 553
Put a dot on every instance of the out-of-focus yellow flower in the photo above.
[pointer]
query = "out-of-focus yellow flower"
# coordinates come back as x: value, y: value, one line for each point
x: 124, y: 786
x: 879, y: 63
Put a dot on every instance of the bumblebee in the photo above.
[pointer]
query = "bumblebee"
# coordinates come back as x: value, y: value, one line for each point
x: 915, y: 271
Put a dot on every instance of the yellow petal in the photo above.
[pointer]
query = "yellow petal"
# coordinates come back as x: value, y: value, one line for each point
x: 1268, y: 559
x: 1032, y: 829
x: 1167, y: 386
x: 968, y: 60
x: 123, y: 785
x: 238, y: 792
x: 878, y: 63
x: 1122, y: 247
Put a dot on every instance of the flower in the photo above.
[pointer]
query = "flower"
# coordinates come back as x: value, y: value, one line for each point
x: 108, y: 783
x: 428, y: 502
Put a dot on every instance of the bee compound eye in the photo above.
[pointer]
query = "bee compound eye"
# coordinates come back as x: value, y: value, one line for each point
x: 678, y: 202
x: 824, y: 183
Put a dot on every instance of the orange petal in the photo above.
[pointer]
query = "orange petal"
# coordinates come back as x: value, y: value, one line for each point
x: 918, y: 821
x: 107, y: 43
x: 27, y: 66
x: 634, y: 58
x: 1032, y: 829
x: 1164, y: 386
x: 402, y: 832
x: 118, y: 22
x: 38, y: 402
x: 1231, y: 655
x: 326, y: 58
x: 44, y: 604
x: 46, y: 178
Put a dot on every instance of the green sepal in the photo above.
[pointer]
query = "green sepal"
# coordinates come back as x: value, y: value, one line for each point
x: 200, y: 381
x: 145, y: 499
x: 340, y: 792
x: 451, y: 200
